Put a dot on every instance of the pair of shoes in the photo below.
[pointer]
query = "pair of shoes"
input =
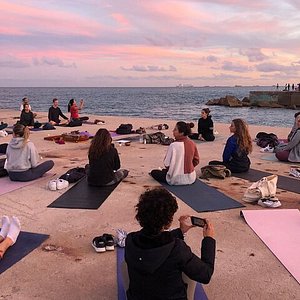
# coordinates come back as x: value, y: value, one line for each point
x: 295, y: 172
x: 99, y: 122
x: 58, y: 184
x: 162, y: 126
x: 104, y: 243
x: 267, y: 149
x: 272, y: 202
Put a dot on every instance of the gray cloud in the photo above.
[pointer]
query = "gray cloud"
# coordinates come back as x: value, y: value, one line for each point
x: 229, y: 66
x: 273, y: 67
x: 51, y: 61
x: 253, y: 54
x: 150, y: 69
x: 10, y: 61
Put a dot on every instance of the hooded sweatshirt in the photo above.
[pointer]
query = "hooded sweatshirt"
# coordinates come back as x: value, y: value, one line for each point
x: 156, y: 263
x: 20, y: 157
x: 294, y: 147
x: 181, y: 158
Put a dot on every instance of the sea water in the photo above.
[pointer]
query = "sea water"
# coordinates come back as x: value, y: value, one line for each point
x: 177, y: 103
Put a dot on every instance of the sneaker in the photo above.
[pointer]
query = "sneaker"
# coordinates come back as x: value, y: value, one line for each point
x: 98, y: 244
x: 295, y: 172
x: 52, y: 185
x: 109, y: 241
x: 61, y: 184
x: 271, y: 202
x: 267, y: 149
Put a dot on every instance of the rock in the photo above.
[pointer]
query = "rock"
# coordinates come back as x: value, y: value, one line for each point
x: 268, y: 104
x: 246, y: 100
x: 230, y: 101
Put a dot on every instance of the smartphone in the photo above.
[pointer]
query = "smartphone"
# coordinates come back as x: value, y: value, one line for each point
x: 198, y: 221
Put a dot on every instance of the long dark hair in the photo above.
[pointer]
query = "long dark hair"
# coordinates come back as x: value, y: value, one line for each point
x: 242, y: 134
x: 71, y: 102
x: 100, y: 144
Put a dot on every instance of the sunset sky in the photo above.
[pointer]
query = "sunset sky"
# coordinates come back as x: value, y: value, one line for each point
x: 149, y: 42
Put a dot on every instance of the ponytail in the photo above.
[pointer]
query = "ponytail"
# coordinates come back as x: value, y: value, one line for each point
x: 20, y: 130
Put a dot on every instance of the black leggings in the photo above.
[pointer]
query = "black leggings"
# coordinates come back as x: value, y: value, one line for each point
x: 230, y: 166
x: 159, y: 175
x: 208, y: 137
x: 3, y: 148
x: 32, y: 173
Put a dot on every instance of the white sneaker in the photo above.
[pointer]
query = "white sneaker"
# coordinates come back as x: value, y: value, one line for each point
x: 267, y: 149
x: 52, y: 185
x: 3, y: 133
x: 269, y: 203
x: 61, y: 184
x: 295, y: 172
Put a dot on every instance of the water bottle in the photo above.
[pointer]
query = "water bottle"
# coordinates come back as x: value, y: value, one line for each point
x: 141, y: 140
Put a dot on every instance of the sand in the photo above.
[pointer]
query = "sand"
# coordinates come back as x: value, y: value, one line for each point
x: 245, y: 267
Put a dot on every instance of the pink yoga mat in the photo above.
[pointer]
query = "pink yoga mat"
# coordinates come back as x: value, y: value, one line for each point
x: 6, y: 185
x: 280, y: 231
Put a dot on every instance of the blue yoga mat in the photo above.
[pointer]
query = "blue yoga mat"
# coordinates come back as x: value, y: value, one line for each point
x: 26, y: 242
x: 202, y: 197
x: 199, y: 291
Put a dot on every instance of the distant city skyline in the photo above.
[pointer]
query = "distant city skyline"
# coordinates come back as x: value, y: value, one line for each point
x: 149, y: 43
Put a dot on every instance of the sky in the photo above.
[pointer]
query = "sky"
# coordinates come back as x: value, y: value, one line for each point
x: 131, y: 43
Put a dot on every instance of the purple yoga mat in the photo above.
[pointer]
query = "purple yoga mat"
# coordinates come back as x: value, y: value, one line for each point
x: 199, y: 291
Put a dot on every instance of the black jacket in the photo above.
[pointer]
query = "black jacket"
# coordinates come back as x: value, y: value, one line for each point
x: 27, y: 119
x: 101, y: 170
x: 205, y: 127
x: 54, y: 113
x: 156, y: 263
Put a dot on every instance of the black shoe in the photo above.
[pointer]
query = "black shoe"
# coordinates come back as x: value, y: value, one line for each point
x: 98, y: 244
x: 109, y: 242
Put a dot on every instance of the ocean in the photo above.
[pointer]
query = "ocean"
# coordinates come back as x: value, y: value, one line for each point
x: 177, y: 103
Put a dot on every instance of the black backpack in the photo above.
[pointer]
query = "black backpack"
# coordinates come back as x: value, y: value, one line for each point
x: 3, y: 171
x: 124, y: 129
x: 73, y: 175
x: 264, y: 139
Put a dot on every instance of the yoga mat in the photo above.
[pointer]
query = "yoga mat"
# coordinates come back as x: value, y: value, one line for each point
x: 279, y: 230
x: 36, y: 129
x: 272, y: 157
x: 83, y: 196
x: 26, y: 242
x: 199, y: 291
x: 202, y: 197
x: 6, y: 185
x: 284, y: 182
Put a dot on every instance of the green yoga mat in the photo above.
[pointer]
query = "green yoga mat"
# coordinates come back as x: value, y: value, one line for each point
x: 202, y: 197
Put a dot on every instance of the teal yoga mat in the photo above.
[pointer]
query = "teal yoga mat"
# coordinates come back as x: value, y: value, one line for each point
x: 202, y: 197
x: 26, y: 242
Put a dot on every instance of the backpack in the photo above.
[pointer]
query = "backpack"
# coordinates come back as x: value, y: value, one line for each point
x: 264, y: 139
x: 124, y: 129
x: 74, y: 174
x: 215, y: 171
x: 48, y: 126
x: 157, y: 138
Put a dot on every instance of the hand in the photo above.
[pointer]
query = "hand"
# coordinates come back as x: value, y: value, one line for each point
x: 208, y: 229
x: 184, y: 226
x: 81, y: 100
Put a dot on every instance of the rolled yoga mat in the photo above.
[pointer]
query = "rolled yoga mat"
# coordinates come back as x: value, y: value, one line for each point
x: 199, y: 291
x: 83, y: 196
x: 284, y: 182
x: 202, y: 197
x: 26, y: 242
x: 279, y: 230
